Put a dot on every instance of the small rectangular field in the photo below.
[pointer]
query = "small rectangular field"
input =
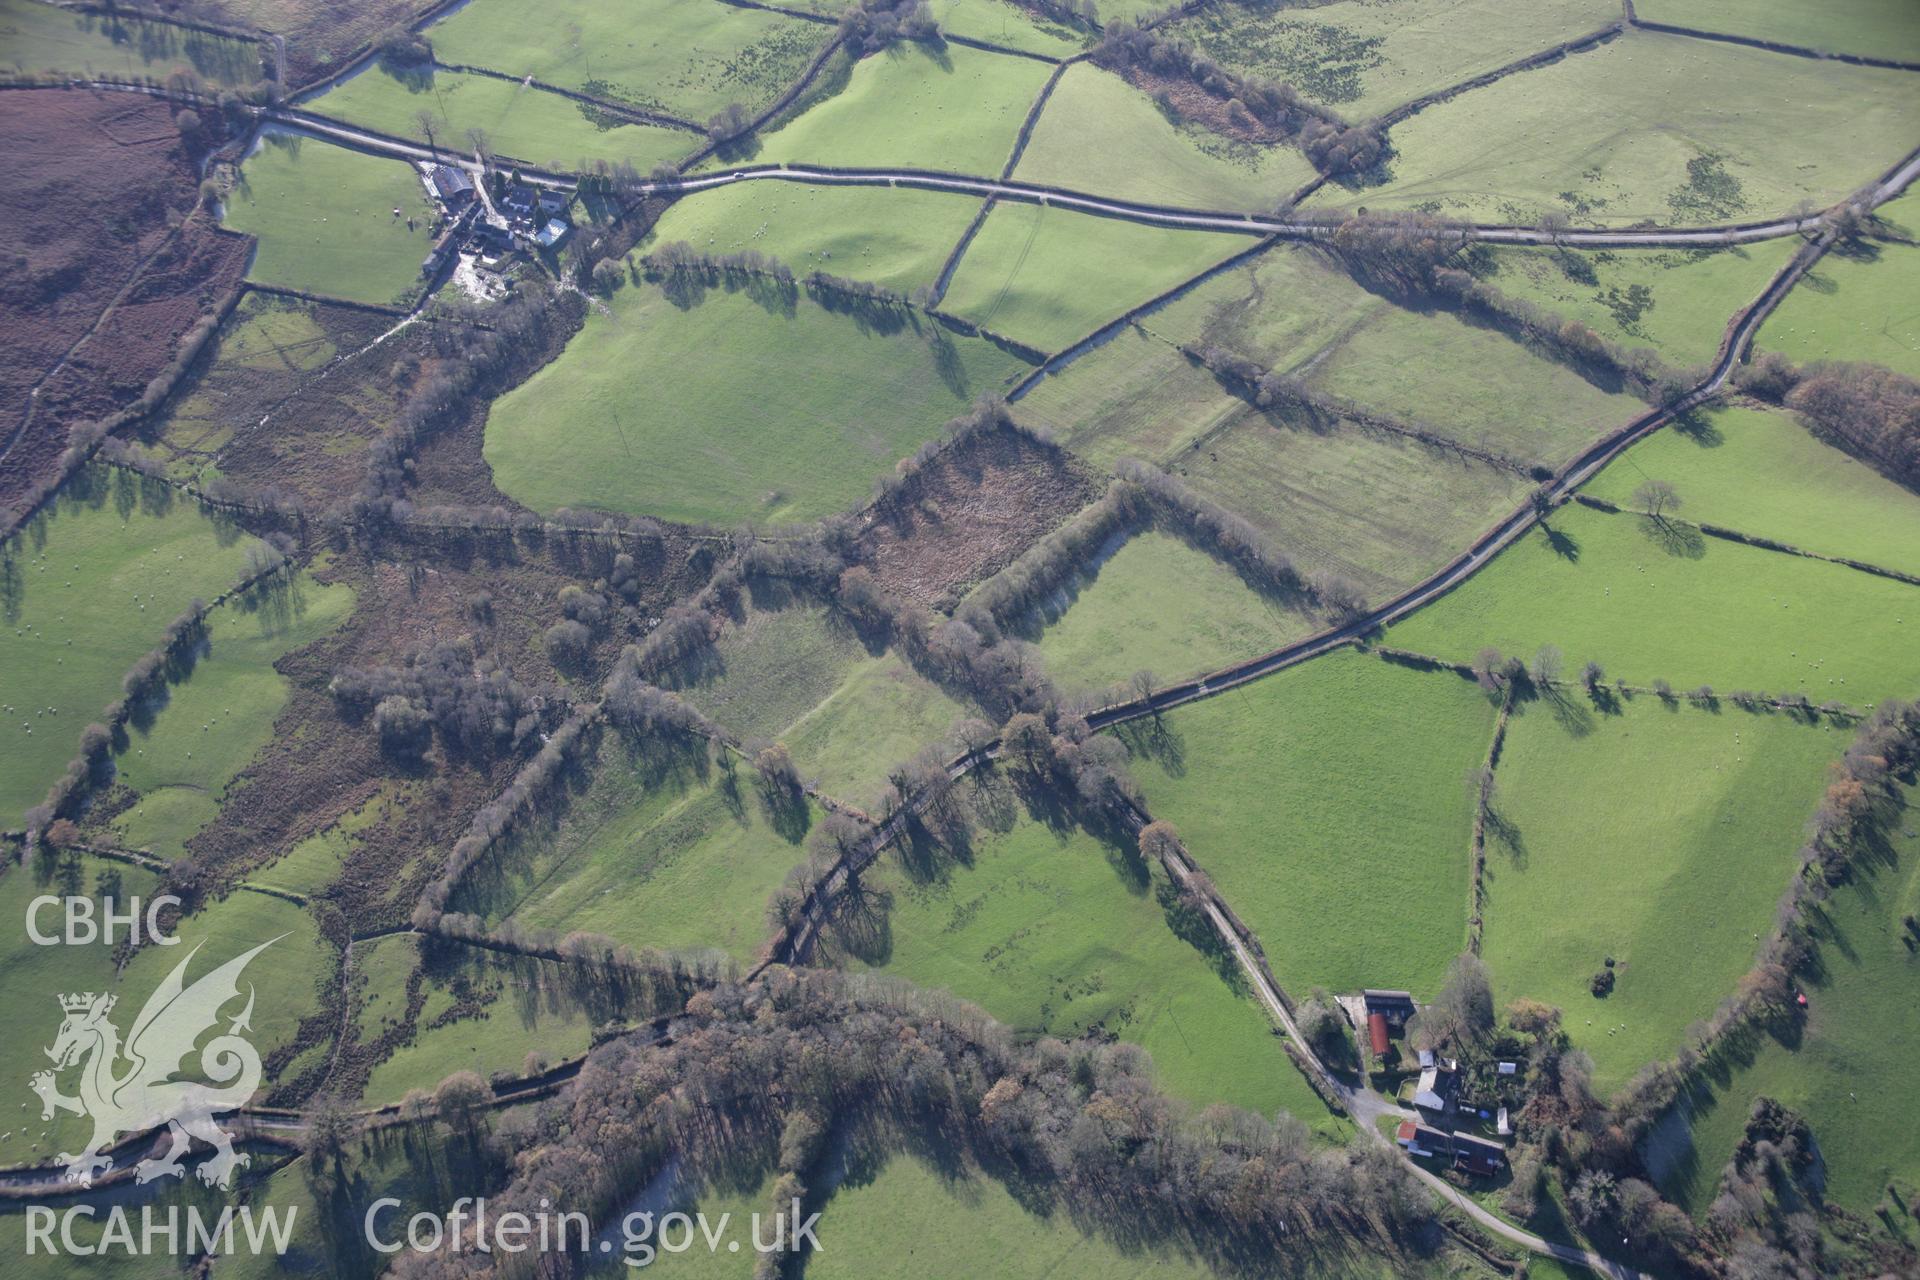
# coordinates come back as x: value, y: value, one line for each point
x: 1760, y: 472
x: 40, y: 37
x: 658, y: 850
x: 1380, y: 509
x: 1649, y: 603
x: 899, y: 238
x: 1859, y: 303
x: 1329, y: 804
x: 957, y: 109
x: 1101, y: 135
x: 1056, y: 934
x: 1684, y: 137
x: 1875, y: 28
x: 1157, y: 603
x: 519, y: 122
x: 325, y: 219
x: 1679, y: 302
x: 726, y: 408
x: 1659, y: 839
x: 1048, y: 277
x: 687, y: 60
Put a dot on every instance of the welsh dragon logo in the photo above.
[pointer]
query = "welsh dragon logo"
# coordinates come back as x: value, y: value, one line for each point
x: 129, y: 1088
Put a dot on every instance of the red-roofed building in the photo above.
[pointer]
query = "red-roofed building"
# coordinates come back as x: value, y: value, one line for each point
x: 1377, y: 1033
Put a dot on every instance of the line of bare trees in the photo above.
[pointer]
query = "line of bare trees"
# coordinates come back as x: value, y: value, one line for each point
x: 1262, y: 109
x: 783, y: 1064
x: 1868, y: 410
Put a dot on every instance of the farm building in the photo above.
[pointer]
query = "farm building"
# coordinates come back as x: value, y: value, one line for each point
x: 1470, y: 1155
x: 450, y: 186
x: 1394, y: 1006
x: 1377, y: 1034
x: 1438, y: 1084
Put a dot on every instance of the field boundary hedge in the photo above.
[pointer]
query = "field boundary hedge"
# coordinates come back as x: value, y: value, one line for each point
x: 1755, y: 540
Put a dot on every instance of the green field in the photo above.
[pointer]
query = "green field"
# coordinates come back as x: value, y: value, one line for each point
x: 85, y: 589
x: 730, y: 410
x: 213, y: 723
x: 688, y: 60
x: 286, y: 978
x: 1048, y: 277
x: 796, y: 672
x: 1682, y: 137
x: 1877, y: 28
x: 896, y: 238
x: 543, y: 129
x: 1367, y: 57
x: 883, y: 714
x: 1137, y: 396
x: 1761, y: 473
x: 1004, y: 23
x: 1055, y: 934
x: 1690, y: 610
x: 1677, y: 302
x: 1159, y: 604
x: 39, y: 37
x: 1100, y: 134
x: 1284, y: 309
x: 324, y: 218
x: 1855, y: 306
x: 1472, y: 385
x: 658, y: 851
x: 958, y: 109
x: 1329, y: 803
x: 1379, y: 509
x: 519, y: 1020
x: 1661, y: 837
x: 908, y: 1218
x: 1844, y: 1074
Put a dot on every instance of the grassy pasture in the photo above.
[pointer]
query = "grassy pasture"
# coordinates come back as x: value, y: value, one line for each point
x: 1761, y: 473
x: 659, y: 850
x: 794, y: 671
x: 1048, y: 277
x: 882, y: 714
x: 897, y: 238
x: 1473, y: 385
x: 1134, y: 397
x: 1877, y: 28
x: 1859, y: 1041
x: 1676, y: 301
x: 1329, y: 804
x: 1158, y: 603
x: 1661, y: 837
x: 730, y: 409
x: 181, y: 759
x: 87, y: 587
x: 1684, y: 138
x: 1380, y: 509
x: 324, y: 219
x: 1003, y: 23
x: 956, y: 109
x: 1100, y: 134
x: 1692, y: 610
x: 1853, y: 306
x: 1056, y: 934
x: 543, y: 129
x: 683, y: 59
x: 286, y: 977
x: 521, y: 1018
x: 40, y: 37
x: 907, y: 1218
x: 1366, y: 58
x: 1285, y: 309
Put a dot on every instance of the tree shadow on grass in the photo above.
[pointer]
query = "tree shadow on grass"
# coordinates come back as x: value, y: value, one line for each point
x: 1156, y: 739
x: 1561, y: 543
x: 1682, y: 541
x: 1698, y: 426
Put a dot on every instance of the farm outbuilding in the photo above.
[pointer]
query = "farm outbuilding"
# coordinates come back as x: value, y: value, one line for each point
x: 1377, y: 1033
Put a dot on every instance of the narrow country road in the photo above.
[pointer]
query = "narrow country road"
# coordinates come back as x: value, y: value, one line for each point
x: 1253, y: 224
